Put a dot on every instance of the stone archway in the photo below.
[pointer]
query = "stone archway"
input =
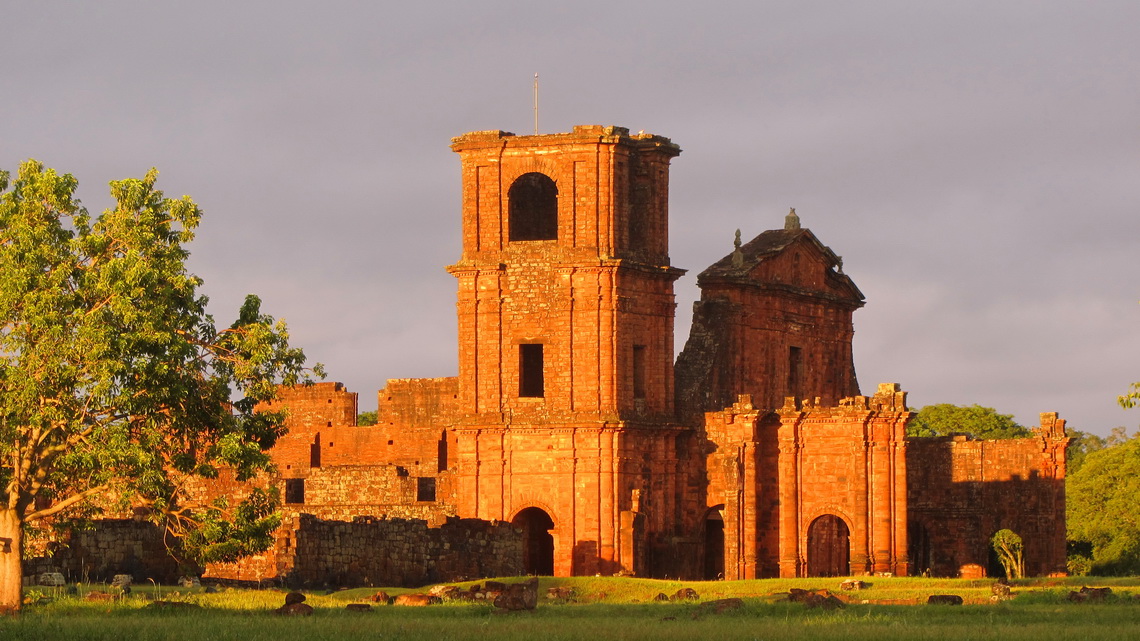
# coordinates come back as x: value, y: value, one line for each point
x: 714, y: 544
x: 828, y: 547
x: 538, y: 542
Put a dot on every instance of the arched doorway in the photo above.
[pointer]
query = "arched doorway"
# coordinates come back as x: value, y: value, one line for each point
x: 828, y: 547
x: 538, y: 543
x: 714, y: 544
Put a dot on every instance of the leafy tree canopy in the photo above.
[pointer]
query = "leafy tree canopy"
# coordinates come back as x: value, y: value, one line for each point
x: 1103, y: 507
x: 1081, y: 444
x: 945, y: 419
x: 366, y: 418
x: 116, y: 386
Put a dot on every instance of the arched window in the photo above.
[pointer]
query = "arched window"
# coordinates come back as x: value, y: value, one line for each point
x: 533, y: 208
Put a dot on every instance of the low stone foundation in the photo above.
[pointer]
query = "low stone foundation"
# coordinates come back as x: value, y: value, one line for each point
x: 370, y: 551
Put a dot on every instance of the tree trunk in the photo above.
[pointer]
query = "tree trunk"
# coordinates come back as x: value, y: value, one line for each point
x: 11, y: 569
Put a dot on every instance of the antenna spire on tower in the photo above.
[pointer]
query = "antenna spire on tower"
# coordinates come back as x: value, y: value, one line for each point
x: 536, y: 104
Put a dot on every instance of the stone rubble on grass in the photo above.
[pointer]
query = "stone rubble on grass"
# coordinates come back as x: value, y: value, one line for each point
x: 518, y: 596
x: 122, y: 581
x: 295, y: 606
x: 416, y: 600
x: 52, y: 579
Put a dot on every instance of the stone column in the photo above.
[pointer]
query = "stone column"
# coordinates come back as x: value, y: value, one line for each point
x: 789, y: 494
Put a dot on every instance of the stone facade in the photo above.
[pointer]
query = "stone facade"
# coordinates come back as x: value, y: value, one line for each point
x: 754, y: 455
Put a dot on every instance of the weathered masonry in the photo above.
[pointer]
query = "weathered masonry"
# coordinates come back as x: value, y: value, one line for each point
x: 753, y: 454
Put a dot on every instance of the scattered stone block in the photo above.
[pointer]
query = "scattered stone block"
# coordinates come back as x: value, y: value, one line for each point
x: 1096, y: 594
x: 719, y: 606
x: 562, y: 593
x: 358, y: 607
x: 52, y: 579
x: 122, y: 581
x: 685, y: 594
x: 519, y: 596
x: 944, y: 599
x: 295, y: 609
x: 417, y: 600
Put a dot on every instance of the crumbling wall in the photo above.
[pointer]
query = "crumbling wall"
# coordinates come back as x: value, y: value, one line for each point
x: 399, y: 552
x: 961, y: 491
x: 107, y: 548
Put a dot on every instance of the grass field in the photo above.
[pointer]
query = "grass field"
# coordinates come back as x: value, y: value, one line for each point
x: 606, y: 608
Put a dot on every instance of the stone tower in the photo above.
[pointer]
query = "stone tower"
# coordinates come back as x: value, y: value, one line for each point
x: 565, y: 305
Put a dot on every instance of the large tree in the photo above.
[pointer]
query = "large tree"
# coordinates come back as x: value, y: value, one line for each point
x: 945, y: 419
x: 116, y: 385
x: 1103, y: 507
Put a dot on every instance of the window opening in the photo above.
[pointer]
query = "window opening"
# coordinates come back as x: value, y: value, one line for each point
x: 533, y: 208
x: 425, y: 488
x: 315, y: 451
x: 294, y: 491
x: 638, y: 371
x: 531, y: 383
x: 795, y: 372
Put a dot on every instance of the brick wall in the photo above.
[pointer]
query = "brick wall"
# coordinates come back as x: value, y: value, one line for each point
x: 962, y: 491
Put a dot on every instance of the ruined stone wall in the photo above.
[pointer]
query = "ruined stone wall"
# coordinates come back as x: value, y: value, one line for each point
x: 399, y: 552
x: 412, y: 420
x: 962, y: 491
x: 107, y: 548
x: 772, y: 475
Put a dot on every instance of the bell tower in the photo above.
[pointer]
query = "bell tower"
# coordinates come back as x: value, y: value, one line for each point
x: 565, y: 295
x: 565, y: 304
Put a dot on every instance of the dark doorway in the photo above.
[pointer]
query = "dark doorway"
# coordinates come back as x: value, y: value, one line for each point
x: 918, y: 549
x: 829, y: 547
x: 538, y: 543
x: 714, y: 545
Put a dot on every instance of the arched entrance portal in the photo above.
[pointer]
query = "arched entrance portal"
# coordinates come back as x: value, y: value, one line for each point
x: 538, y: 543
x: 828, y: 547
x: 714, y: 544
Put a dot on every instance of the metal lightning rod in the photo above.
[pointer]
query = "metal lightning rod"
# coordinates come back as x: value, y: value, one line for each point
x: 536, y: 104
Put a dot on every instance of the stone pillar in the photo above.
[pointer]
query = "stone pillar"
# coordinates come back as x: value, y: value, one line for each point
x: 882, y: 486
x: 749, y: 511
x: 789, y: 494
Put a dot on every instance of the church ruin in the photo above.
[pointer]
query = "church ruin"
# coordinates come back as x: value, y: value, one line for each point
x: 754, y: 454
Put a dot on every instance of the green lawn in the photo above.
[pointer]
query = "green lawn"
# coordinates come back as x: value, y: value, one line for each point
x: 607, y: 608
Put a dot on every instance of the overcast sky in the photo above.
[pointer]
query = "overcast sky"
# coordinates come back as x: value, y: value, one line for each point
x: 976, y: 164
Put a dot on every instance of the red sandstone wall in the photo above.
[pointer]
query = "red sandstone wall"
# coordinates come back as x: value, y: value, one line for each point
x: 776, y: 474
x: 962, y: 491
